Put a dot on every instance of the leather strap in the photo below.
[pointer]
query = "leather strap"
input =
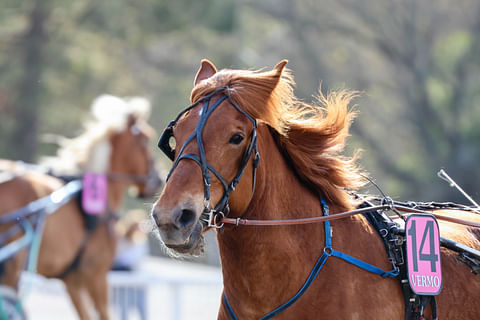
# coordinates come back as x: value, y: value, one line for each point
x: 249, y: 222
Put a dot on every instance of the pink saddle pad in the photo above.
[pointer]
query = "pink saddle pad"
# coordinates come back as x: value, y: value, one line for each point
x: 94, y: 196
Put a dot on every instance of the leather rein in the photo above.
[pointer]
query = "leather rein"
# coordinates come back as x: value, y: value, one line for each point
x: 390, y: 206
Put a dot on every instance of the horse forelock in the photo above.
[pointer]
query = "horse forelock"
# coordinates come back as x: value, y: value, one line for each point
x: 311, y: 135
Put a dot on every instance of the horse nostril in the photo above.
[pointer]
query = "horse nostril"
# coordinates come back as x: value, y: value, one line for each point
x: 187, y: 217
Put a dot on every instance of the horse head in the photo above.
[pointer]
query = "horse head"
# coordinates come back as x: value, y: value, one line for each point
x: 115, y: 142
x: 215, y: 146
x: 131, y: 161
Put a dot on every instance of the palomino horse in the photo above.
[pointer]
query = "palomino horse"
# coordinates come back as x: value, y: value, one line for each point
x: 76, y: 247
x: 239, y: 116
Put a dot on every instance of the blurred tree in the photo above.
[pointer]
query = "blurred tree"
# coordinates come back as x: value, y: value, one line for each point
x: 25, y: 96
x: 417, y: 64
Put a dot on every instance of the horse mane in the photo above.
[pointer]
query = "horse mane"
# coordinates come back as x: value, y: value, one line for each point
x: 311, y: 136
x: 90, y: 151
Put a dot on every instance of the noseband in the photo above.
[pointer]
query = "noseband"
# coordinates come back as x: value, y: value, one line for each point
x: 211, y: 216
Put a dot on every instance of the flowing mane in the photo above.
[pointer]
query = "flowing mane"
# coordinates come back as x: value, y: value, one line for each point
x: 90, y: 151
x: 312, y: 136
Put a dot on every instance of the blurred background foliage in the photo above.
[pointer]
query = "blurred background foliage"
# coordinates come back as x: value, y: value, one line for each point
x: 416, y: 65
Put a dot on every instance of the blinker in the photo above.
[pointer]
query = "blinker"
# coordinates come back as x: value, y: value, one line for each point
x: 164, y: 145
x: 164, y: 142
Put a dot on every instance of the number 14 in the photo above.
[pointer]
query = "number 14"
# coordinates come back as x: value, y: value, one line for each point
x: 431, y: 256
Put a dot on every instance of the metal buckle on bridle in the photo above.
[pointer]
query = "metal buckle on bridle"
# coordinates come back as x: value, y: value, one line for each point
x: 213, y: 218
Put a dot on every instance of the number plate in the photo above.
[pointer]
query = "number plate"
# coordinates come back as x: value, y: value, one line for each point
x: 94, y: 193
x: 423, y: 254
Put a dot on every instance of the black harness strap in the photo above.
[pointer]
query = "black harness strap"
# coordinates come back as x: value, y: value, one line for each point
x: 90, y: 223
x: 208, y: 214
x: 73, y: 266
x: 393, y: 239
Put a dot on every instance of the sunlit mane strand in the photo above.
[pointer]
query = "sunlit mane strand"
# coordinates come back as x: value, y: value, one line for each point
x: 312, y: 136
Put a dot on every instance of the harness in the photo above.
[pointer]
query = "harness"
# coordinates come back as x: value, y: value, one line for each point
x: 211, y: 216
x: 393, y: 238
x: 328, y: 251
x: 90, y: 223
x: 30, y: 220
x: 391, y: 234
x: 34, y: 213
x: 23, y: 216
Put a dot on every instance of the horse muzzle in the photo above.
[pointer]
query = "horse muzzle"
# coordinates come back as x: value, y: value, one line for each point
x: 180, y: 229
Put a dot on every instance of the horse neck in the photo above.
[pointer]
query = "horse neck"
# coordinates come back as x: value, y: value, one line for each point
x: 116, y: 188
x: 255, y: 257
x: 256, y: 261
x: 116, y: 194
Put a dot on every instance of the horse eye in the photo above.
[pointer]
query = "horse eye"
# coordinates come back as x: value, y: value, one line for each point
x: 236, y: 139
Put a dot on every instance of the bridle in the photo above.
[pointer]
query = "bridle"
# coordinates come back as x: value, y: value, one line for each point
x: 211, y: 216
x: 151, y: 179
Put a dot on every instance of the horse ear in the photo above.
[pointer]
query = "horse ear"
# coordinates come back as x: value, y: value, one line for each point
x: 279, y: 66
x: 206, y: 70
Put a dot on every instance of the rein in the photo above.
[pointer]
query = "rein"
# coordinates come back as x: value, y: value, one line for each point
x: 248, y: 222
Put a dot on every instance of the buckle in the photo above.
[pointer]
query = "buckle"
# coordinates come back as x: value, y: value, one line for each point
x: 212, y: 218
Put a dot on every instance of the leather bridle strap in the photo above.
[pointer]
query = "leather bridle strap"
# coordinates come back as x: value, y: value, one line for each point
x: 248, y: 222
x: 210, y: 215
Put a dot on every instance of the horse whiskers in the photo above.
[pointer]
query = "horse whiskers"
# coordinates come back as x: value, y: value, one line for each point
x: 196, y: 251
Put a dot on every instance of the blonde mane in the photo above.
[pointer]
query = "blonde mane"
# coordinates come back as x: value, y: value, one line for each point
x: 90, y: 151
x: 312, y: 136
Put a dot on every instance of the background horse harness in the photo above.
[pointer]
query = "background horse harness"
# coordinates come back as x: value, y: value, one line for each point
x: 30, y: 220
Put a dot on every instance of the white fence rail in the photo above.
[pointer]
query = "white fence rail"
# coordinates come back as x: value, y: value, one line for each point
x: 161, y: 289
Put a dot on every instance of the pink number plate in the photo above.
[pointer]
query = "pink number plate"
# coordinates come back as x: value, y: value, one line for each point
x: 94, y: 195
x: 423, y: 254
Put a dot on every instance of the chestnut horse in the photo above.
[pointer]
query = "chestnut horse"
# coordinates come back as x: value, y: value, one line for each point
x: 116, y: 143
x: 238, y: 116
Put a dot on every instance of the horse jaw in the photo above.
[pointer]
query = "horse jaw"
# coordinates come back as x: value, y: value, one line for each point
x: 193, y: 246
